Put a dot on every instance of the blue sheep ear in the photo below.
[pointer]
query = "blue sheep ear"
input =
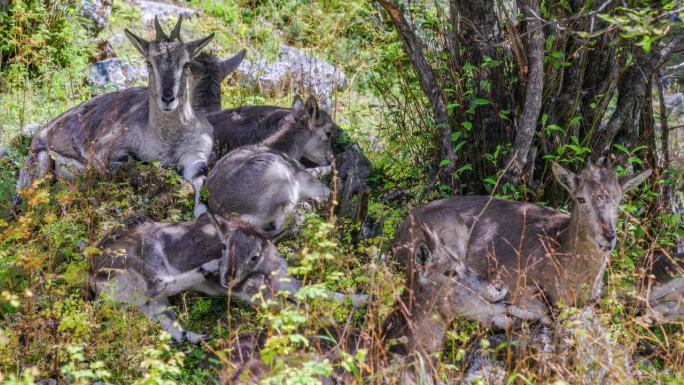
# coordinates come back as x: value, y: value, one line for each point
x: 229, y: 65
x: 423, y: 254
x: 195, y: 46
x: 312, y: 107
x: 607, y: 163
x: 142, y: 45
x: 566, y: 178
x: 628, y: 182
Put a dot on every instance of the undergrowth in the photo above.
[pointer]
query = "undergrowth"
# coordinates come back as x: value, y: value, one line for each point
x: 50, y: 328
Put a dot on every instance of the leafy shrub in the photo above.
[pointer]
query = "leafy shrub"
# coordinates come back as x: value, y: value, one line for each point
x: 39, y: 34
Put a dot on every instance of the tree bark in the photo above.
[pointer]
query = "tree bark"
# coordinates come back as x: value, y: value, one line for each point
x: 665, y: 130
x: 533, y: 94
x: 631, y: 94
x: 666, y: 193
x: 429, y: 86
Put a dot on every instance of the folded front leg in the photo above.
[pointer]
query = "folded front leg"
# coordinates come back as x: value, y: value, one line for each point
x: 169, y: 285
x: 160, y: 311
x: 194, y: 169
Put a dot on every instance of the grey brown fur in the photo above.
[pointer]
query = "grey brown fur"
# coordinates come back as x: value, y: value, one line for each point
x: 120, y: 125
x: 427, y: 245
x: 247, y: 125
x: 145, y: 262
x: 438, y: 289
x: 263, y: 183
x: 541, y: 256
x: 261, y: 186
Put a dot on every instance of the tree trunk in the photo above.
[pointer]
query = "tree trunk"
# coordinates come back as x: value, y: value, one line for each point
x: 533, y: 97
x: 430, y: 88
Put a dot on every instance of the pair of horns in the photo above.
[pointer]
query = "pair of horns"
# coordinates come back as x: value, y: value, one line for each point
x: 603, y: 162
x: 175, y: 34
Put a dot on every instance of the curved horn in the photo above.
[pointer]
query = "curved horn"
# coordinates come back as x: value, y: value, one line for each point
x: 158, y: 28
x: 175, y: 34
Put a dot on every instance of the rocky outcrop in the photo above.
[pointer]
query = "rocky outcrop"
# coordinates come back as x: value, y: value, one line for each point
x: 577, y: 340
x: 294, y: 72
x: 150, y: 9
x: 353, y: 169
x: 675, y: 102
x: 117, y: 72
x: 96, y: 12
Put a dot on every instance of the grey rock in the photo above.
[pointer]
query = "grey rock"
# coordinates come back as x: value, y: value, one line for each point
x: 666, y: 301
x: 317, y: 76
x: 675, y: 102
x: 117, y: 72
x: 47, y: 381
x: 150, y: 9
x: 97, y: 12
x: 578, y: 341
x: 271, y: 79
x: 295, y: 71
x: 484, y: 370
x: 353, y: 170
x: 30, y: 129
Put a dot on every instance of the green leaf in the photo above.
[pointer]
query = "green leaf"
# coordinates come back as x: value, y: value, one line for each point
x: 481, y: 102
x: 621, y: 148
x: 465, y: 167
x: 634, y: 160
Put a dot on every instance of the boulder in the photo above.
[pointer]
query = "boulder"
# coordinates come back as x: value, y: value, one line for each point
x: 29, y: 130
x: 675, y: 102
x: 117, y: 72
x: 577, y: 340
x: 353, y: 169
x: 150, y: 9
x: 317, y: 76
x: 271, y: 79
x: 294, y: 72
x: 97, y: 13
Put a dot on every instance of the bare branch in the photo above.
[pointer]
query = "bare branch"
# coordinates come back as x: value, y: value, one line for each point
x: 632, y: 91
x: 533, y: 94
x: 669, y: 49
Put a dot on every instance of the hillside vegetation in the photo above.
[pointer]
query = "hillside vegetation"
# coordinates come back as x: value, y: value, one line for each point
x: 420, y: 151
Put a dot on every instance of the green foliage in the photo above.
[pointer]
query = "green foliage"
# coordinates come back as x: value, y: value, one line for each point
x: 48, y: 329
x: 646, y: 25
x: 39, y: 35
